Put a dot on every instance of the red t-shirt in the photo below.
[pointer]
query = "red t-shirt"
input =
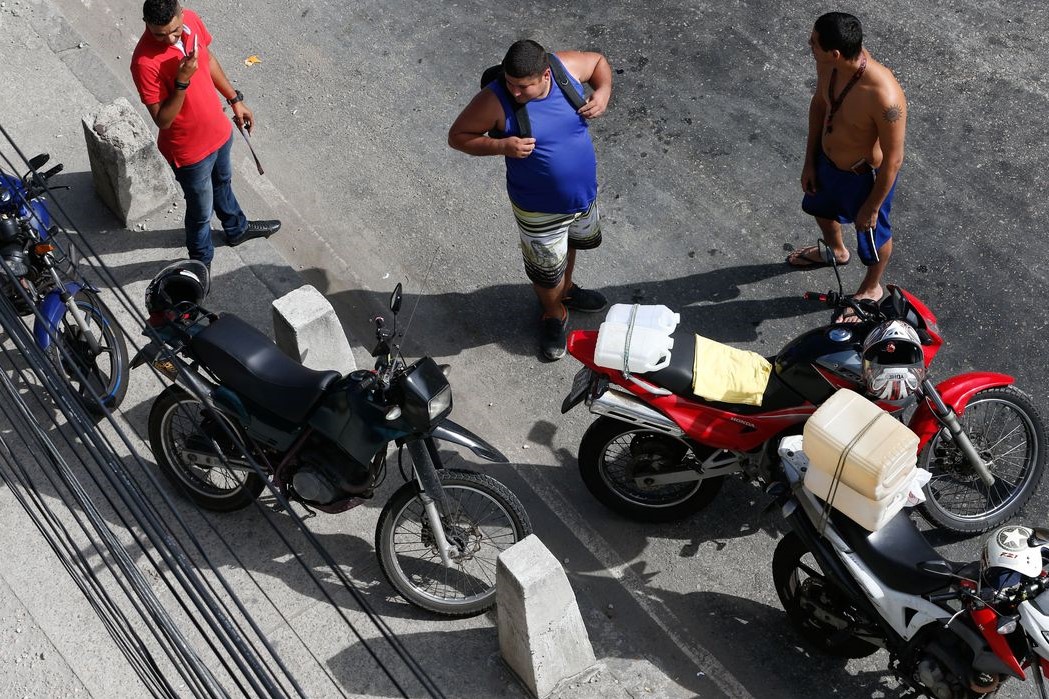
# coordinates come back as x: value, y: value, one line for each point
x: 201, y: 127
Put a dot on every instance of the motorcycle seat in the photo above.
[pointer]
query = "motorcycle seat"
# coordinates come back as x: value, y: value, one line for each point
x: 894, y: 552
x: 678, y: 378
x: 250, y: 364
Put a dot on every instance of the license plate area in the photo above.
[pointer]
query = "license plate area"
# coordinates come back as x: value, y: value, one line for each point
x: 580, y: 384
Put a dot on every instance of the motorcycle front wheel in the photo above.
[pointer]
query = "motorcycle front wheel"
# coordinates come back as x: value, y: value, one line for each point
x: 806, y: 596
x: 485, y: 519
x: 615, y: 457
x: 178, y: 420
x: 1008, y: 434
x: 98, y: 378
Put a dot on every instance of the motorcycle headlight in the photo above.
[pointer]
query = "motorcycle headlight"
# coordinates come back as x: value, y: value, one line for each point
x: 440, y: 404
x: 426, y: 396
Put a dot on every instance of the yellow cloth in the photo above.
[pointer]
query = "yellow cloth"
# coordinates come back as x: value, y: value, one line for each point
x: 727, y: 374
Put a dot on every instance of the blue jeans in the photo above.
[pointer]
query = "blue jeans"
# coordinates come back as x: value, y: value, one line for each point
x: 207, y: 187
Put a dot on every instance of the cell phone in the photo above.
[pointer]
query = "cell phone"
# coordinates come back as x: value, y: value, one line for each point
x: 194, y: 51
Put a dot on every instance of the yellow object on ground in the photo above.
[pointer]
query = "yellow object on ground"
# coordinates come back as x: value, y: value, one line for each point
x: 727, y: 374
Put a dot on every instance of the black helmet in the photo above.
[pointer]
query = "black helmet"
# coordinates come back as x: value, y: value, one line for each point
x: 187, y: 281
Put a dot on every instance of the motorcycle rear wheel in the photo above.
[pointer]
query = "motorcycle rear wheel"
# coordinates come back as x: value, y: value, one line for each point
x: 97, y: 379
x: 1007, y: 431
x: 613, y: 453
x: 177, y: 414
x: 798, y: 579
x: 486, y: 520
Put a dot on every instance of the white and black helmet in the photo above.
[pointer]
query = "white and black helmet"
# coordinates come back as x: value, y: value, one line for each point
x: 1008, y: 557
x: 893, y: 361
x: 187, y: 281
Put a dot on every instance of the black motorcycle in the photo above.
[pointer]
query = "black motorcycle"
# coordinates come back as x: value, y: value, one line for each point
x: 242, y: 412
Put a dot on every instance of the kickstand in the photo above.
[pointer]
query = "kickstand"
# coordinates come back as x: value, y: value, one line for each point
x: 309, y: 513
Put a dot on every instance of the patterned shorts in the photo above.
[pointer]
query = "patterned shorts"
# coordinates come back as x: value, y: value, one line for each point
x: 546, y: 238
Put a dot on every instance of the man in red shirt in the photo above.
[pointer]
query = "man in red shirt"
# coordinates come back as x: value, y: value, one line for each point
x: 195, y: 135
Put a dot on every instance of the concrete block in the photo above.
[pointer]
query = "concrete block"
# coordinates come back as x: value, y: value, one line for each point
x: 541, y: 632
x: 306, y: 329
x: 129, y: 174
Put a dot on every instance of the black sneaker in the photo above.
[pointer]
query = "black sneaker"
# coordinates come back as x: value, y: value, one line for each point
x: 552, y: 337
x: 255, y: 229
x: 585, y: 300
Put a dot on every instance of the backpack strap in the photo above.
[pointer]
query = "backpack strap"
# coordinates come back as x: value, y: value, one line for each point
x: 564, y: 81
x: 520, y: 114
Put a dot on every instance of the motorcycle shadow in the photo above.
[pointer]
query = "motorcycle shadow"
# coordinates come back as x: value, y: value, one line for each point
x: 763, y: 652
x: 507, y: 314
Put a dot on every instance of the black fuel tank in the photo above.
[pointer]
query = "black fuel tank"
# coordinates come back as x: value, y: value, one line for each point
x: 835, y: 348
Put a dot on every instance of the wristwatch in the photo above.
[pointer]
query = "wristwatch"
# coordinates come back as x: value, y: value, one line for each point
x: 181, y: 85
x: 238, y: 97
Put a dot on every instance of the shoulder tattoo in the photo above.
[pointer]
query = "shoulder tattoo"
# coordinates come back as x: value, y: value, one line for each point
x: 893, y: 113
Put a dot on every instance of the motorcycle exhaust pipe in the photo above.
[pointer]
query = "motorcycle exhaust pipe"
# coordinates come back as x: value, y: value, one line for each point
x: 626, y: 408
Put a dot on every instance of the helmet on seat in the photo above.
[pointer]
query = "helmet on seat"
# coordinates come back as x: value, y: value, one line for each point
x: 185, y: 282
x: 893, y: 361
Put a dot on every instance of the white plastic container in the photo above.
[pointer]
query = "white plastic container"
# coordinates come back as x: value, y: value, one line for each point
x: 658, y: 318
x: 874, y: 452
x: 649, y: 349
x: 869, y: 514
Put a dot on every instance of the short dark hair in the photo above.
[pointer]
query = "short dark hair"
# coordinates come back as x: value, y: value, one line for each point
x: 525, y: 59
x: 840, y: 31
x: 159, y: 12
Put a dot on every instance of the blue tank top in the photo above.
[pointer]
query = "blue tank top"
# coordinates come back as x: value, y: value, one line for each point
x: 560, y: 175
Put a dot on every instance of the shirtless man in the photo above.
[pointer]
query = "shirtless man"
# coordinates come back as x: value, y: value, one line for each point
x: 857, y: 120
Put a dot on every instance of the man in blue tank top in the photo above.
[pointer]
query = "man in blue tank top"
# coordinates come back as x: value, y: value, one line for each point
x: 551, y: 176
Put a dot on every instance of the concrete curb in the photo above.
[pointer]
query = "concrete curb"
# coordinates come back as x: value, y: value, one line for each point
x: 541, y: 632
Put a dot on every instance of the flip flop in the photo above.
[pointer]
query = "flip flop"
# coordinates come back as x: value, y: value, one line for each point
x: 802, y: 256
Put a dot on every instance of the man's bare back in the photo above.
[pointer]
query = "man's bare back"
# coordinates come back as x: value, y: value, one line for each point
x: 853, y: 137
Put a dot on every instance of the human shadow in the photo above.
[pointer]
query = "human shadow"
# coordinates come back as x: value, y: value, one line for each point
x: 445, y: 324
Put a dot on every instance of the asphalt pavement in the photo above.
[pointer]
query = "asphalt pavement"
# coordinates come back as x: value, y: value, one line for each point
x: 699, y: 157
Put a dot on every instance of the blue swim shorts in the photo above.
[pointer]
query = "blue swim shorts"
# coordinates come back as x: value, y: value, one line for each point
x: 840, y: 195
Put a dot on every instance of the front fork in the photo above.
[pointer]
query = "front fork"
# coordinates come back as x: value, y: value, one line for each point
x: 946, y: 415
x: 69, y: 301
x: 433, y: 498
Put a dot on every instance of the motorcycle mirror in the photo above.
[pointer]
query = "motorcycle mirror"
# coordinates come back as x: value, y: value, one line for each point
x: 938, y: 567
x: 37, y: 161
x: 395, y: 298
x: 1040, y: 537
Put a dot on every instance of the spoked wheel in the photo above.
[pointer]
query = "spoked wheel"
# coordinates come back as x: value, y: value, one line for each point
x: 485, y: 519
x: 179, y: 422
x: 1007, y: 432
x: 819, y: 612
x: 99, y: 378
x: 616, y: 458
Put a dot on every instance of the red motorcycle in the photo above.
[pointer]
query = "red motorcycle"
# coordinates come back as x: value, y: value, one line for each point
x: 658, y: 452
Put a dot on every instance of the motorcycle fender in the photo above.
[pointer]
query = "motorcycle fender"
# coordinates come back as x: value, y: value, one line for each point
x: 956, y: 392
x: 983, y: 659
x: 148, y: 354
x: 449, y: 431
x: 51, y: 310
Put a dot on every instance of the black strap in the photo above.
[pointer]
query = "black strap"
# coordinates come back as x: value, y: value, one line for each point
x: 564, y: 81
x: 560, y: 77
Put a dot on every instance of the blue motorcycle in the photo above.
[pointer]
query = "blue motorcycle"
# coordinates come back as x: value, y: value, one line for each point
x: 73, y: 327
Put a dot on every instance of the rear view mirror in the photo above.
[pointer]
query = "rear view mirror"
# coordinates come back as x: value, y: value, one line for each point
x: 395, y: 299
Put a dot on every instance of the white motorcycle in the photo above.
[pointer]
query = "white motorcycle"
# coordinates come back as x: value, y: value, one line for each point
x: 952, y: 630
